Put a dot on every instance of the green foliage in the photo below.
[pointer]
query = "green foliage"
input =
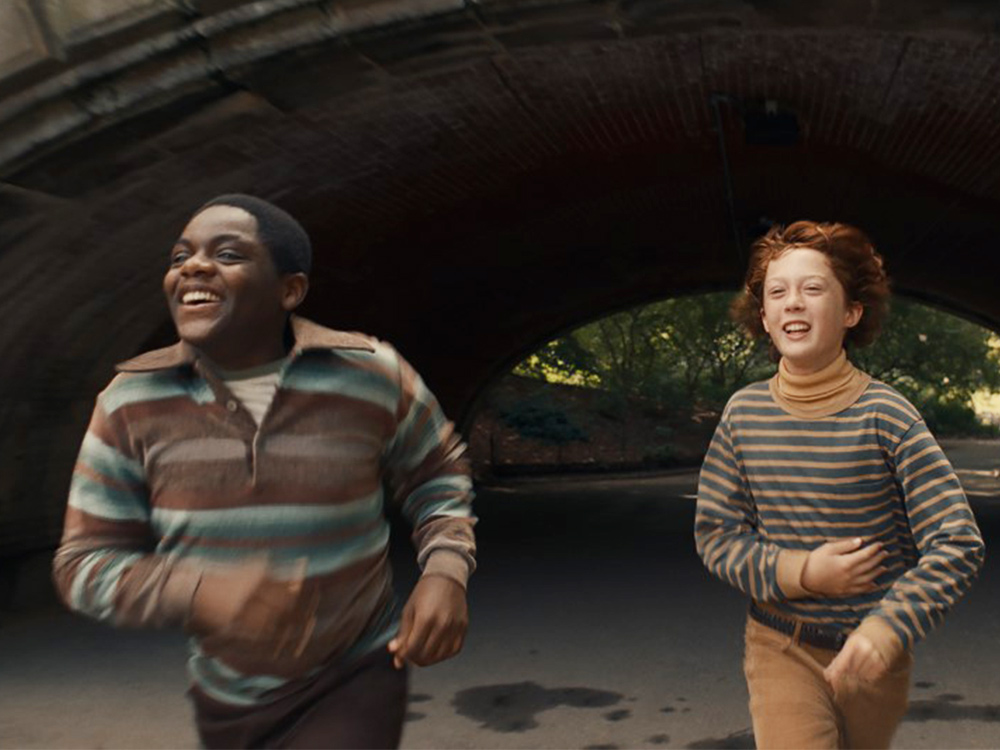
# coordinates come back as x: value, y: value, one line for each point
x: 937, y: 361
x: 686, y: 353
x: 662, y: 450
x: 953, y: 418
x: 532, y: 419
x: 930, y: 355
x: 678, y: 351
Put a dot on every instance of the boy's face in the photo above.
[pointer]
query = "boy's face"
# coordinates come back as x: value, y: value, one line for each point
x: 224, y: 293
x: 806, y: 311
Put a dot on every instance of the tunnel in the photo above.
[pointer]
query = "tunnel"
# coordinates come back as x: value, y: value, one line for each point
x: 476, y: 176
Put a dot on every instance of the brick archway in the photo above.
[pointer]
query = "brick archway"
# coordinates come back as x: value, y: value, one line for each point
x: 476, y: 175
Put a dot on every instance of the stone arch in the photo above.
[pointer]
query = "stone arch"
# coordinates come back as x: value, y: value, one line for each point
x: 475, y: 175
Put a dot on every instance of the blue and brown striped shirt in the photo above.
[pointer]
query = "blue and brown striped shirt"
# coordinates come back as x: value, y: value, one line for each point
x: 774, y: 486
x: 175, y: 476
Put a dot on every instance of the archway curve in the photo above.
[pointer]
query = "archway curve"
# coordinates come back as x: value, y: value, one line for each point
x: 474, y: 174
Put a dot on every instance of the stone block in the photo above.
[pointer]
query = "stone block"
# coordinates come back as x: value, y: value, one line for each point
x: 308, y: 78
x: 439, y: 42
x: 21, y: 42
x: 158, y: 79
x: 349, y: 17
x: 47, y: 123
x: 535, y: 24
x: 233, y: 114
x: 289, y: 31
x: 75, y: 22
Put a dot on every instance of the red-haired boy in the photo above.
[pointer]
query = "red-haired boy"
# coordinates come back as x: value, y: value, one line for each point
x: 824, y: 497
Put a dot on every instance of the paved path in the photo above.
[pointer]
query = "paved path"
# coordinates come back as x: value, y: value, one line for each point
x: 594, y: 626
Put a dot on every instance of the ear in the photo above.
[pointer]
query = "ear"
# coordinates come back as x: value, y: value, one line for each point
x: 763, y: 320
x: 294, y: 287
x: 853, y: 315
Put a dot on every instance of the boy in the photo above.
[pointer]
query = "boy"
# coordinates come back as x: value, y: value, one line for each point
x: 232, y: 484
x: 824, y: 498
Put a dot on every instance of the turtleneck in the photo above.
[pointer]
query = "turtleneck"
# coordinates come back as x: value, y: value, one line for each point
x: 821, y: 393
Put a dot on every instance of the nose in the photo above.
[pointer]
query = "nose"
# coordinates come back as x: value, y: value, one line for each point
x: 197, y: 264
x: 793, y: 300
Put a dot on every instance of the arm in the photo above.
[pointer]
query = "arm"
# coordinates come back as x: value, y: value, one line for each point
x: 726, y: 534
x: 950, y: 550
x: 431, y: 479
x: 105, y: 566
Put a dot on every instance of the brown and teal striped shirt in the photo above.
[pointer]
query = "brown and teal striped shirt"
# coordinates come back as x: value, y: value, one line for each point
x: 175, y: 476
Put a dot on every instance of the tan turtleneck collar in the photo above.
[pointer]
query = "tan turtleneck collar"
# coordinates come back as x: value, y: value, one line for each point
x: 821, y: 393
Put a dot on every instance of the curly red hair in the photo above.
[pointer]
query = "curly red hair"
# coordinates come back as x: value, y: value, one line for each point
x: 852, y: 257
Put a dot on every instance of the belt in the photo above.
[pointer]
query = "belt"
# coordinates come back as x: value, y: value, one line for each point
x: 814, y: 635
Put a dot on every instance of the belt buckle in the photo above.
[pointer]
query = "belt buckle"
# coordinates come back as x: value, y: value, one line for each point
x: 833, y: 641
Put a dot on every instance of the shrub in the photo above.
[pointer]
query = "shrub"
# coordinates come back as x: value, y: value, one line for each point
x: 541, y: 422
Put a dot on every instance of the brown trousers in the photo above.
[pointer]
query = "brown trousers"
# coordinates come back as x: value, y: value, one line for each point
x: 793, y: 706
x: 358, y: 705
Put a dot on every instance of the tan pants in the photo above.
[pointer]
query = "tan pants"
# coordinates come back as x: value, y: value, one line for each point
x: 793, y: 706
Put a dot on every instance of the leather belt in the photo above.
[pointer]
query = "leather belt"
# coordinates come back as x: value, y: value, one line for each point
x: 814, y: 635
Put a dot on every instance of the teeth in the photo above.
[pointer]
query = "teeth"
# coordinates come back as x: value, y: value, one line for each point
x: 796, y: 328
x: 200, y: 296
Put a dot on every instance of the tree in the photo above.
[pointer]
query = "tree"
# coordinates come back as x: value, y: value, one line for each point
x: 678, y: 351
x: 936, y: 360
x: 687, y: 353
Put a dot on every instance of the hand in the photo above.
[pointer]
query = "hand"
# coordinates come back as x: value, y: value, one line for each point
x: 843, y: 568
x: 858, y: 659
x: 249, y: 607
x: 433, y: 625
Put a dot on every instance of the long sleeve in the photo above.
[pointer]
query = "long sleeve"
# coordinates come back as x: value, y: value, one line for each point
x: 948, y: 542
x: 726, y: 529
x: 106, y: 566
x: 431, y: 481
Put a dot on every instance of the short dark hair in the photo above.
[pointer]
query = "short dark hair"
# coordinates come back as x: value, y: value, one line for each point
x: 853, y: 258
x: 277, y: 230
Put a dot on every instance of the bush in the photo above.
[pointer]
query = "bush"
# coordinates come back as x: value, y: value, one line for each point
x: 541, y: 422
x: 662, y: 451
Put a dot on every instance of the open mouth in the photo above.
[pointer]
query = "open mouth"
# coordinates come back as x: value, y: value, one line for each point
x: 796, y: 328
x: 199, y: 297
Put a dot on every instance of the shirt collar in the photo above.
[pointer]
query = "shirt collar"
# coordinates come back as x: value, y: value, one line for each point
x: 308, y: 336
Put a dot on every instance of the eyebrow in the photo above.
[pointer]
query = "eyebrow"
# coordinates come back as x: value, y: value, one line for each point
x: 214, y: 241
x: 811, y: 277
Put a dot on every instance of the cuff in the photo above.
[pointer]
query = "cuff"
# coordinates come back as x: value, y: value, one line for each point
x: 789, y: 573
x: 450, y: 564
x: 178, y: 593
x: 883, y: 638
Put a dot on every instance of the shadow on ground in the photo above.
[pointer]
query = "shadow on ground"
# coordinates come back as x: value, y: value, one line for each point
x: 513, y: 707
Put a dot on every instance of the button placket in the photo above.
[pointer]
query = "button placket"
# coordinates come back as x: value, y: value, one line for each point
x: 232, y: 405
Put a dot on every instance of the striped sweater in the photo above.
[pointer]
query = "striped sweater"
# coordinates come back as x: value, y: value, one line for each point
x: 774, y: 486
x: 175, y: 477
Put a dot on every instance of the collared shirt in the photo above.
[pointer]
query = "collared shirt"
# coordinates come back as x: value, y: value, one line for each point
x: 175, y: 477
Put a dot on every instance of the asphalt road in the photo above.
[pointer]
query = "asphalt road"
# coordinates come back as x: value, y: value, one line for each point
x: 594, y: 625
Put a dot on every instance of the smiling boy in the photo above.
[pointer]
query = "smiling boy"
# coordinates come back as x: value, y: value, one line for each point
x: 824, y: 498
x: 232, y: 484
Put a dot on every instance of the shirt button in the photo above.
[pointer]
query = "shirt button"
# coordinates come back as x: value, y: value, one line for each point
x: 232, y: 405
